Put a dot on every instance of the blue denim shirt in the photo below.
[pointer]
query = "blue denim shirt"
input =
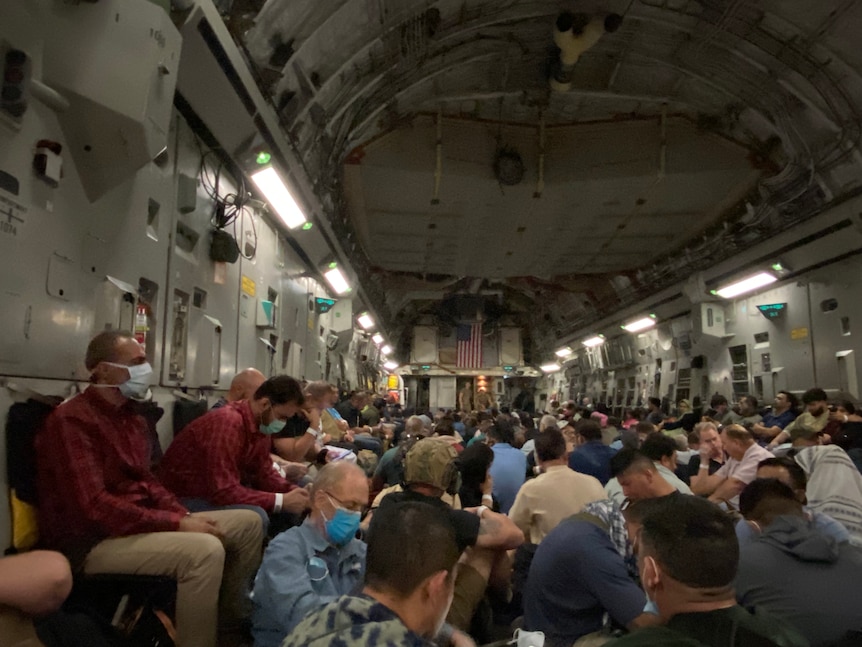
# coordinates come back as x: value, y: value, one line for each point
x: 284, y: 591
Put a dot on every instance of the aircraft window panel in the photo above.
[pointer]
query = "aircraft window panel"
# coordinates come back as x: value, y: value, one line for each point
x: 828, y: 305
x: 845, y: 326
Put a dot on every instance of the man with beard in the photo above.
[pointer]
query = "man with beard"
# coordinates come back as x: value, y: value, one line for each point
x: 815, y: 418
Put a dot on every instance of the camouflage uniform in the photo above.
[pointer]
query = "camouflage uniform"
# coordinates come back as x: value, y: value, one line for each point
x: 353, y: 621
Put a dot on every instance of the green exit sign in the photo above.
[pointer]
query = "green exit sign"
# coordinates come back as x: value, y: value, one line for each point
x: 322, y: 305
x: 508, y: 368
x: 772, y: 310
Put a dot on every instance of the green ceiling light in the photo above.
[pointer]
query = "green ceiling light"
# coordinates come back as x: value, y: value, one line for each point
x: 333, y: 265
x: 778, y: 267
x: 307, y: 226
x: 263, y: 157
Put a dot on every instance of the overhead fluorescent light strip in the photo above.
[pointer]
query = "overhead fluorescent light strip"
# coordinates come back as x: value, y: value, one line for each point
x: 598, y: 340
x: 365, y: 320
x: 640, y: 324
x: 563, y: 352
x: 386, y: 350
x: 279, y: 197
x: 550, y: 368
x: 746, y: 285
x: 377, y: 338
x: 390, y: 366
x: 336, y: 280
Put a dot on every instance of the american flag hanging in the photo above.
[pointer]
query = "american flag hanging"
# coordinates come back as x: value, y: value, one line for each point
x: 469, y: 345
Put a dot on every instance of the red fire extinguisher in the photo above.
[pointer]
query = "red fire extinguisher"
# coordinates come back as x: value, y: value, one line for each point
x: 141, y: 324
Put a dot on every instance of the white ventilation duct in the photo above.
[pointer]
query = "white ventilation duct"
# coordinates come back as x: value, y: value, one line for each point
x: 574, y: 34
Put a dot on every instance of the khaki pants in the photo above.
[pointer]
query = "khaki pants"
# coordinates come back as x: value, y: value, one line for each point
x: 201, y: 563
x: 16, y: 629
x: 470, y: 588
x: 595, y: 639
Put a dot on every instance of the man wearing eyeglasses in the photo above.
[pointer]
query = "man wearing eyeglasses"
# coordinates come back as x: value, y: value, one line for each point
x: 307, y: 567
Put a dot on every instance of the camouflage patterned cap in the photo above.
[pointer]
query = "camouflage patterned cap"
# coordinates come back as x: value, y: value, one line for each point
x: 802, y: 431
x: 432, y: 461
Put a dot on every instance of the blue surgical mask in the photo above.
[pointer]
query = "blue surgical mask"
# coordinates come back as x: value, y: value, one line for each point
x: 139, y: 380
x: 343, y: 525
x: 272, y: 428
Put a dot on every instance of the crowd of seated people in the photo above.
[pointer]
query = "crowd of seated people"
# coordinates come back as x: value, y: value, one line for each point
x: 288, y: 518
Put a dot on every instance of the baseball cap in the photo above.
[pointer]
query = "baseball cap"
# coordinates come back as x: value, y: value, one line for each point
x: 431, y: 461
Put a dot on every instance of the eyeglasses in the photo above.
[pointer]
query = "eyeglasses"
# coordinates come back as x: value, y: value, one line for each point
x: 317, y: 569
x: 353, y: 507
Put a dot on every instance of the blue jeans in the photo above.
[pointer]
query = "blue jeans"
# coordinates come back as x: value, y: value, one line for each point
x: 369, y: 442
x: 272, y: 523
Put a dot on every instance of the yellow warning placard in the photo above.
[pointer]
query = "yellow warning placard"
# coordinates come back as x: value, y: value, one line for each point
x: 392, y: 382
x: 248, y: 286
x: 799, y: 333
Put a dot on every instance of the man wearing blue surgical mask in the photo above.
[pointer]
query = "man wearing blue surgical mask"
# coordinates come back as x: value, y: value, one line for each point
x: 307, y: 567
x: 222, y: 459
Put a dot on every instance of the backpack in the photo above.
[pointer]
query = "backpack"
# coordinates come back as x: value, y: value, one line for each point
x: 23, y: 422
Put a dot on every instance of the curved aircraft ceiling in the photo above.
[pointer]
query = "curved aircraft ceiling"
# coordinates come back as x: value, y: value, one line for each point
x: 690, y: 133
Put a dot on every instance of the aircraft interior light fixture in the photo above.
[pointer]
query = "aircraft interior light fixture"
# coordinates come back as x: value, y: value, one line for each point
x: 748, y: 284
x: 336, y: 279
x: 365, y: 321
x: 279, y: 197
x: 386, y: 350
x: 377, y: 338
x: 640, y: 324
x: 550, y: 368
x: 390, y: 365
x: 563, y: 352
x: 598, y: 340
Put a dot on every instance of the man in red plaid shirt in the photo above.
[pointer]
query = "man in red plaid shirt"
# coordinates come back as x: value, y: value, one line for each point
x: 100, y: 504
x: 223, y: 458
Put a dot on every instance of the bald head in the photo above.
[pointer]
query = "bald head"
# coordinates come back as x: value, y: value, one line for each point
x: 245, y: 384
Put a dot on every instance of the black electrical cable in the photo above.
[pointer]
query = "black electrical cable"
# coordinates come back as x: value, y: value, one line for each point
x: 227, y: 207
